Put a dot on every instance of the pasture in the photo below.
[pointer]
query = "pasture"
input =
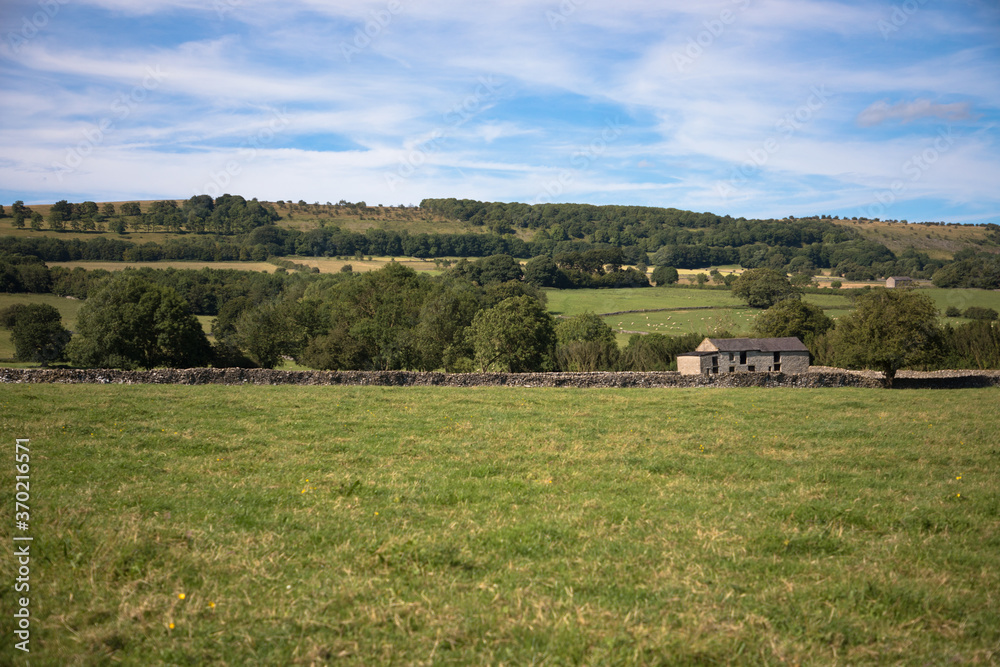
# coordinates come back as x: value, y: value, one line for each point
x: 679, y: 310
x: 368, y: 525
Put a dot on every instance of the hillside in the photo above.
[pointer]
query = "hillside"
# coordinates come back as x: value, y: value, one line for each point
x: 938, y: 240
x: 232, y: 228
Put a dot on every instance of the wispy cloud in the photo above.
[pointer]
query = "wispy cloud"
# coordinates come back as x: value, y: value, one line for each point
x: 414, y: 94
x: 907, y: 112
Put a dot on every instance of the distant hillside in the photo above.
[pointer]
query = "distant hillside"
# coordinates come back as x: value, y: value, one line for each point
x: 232, y: 227
x: 937, y: 239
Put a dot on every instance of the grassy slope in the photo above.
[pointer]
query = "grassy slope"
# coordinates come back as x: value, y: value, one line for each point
x: 384, y: 525
x: 940, y: 242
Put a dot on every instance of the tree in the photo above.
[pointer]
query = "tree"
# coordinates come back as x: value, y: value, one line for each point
x: 889, y: 330
x: 542, y: 271
x: 517, y: 335
x: 656, y: 352
x: 792, y: 317
x: 444, y: 317
x: 586, y: 343
x: 128, y: 322
x: 762, y: 288
x: 665, y: 275
x: 108, y: 210
x: 980, y: 313
x: 130, y: 208
x: 372, y: 318
x: 266, y: 333
x: 36, y: 331
x: 973, y: 345
x: 59, y: 214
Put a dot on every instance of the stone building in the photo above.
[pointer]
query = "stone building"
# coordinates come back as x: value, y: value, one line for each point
x: 898, y: 281
x: 745, y: 355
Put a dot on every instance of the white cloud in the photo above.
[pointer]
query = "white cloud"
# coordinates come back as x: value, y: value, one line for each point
x: 906, y: 112
x: 556, y: 85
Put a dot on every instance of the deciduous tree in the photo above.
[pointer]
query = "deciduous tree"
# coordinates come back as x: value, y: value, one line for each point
x: 762, y: 288
x: 37, y: 332
x: 665, y: 275
x: 517, y: 335
x: 131, y: 323
x: 586, y: 343
x: 792, y: 317
x: 889, y: 330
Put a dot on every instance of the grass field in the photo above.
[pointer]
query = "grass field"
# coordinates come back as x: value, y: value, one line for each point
x: 727, y: 312
x: 365, y: 525
x: 324, y: 264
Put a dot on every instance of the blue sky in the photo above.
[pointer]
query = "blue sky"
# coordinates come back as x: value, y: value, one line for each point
x: 755, y: 108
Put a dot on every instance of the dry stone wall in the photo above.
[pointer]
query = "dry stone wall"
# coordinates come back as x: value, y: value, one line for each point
x: 256, y: 376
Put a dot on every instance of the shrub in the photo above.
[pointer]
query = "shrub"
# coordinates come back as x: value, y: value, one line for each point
x: 665, y: 275
x: 979, y: 313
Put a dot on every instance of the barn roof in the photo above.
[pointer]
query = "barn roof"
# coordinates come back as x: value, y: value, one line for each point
x: 789, y: 344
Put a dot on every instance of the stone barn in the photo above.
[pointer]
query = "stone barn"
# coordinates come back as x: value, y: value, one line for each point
x: 898, y: 281
x: 745, y: 355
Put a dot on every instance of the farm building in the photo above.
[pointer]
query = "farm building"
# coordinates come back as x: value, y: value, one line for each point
x: 898, y: 281
x: 736, y: 355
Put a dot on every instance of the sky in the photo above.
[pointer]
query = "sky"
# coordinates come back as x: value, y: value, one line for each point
x: 752, y: 108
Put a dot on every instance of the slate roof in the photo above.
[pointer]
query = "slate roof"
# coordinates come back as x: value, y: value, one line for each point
x: 790, y: 344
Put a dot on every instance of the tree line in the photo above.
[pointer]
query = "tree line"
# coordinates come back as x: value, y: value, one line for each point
x: 230, y: 228
x: 227, y: 214
x: 483, y: 315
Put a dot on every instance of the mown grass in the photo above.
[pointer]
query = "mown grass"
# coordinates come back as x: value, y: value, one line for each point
x: 366, y: 525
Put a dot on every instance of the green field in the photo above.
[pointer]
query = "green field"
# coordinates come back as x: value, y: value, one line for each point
x: 687, y: 306
x: 366, y: 525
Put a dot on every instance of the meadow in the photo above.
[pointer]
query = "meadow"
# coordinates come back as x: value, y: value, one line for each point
x: 683, y: 310
x: 368, y: 525
x: 677, y: 310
